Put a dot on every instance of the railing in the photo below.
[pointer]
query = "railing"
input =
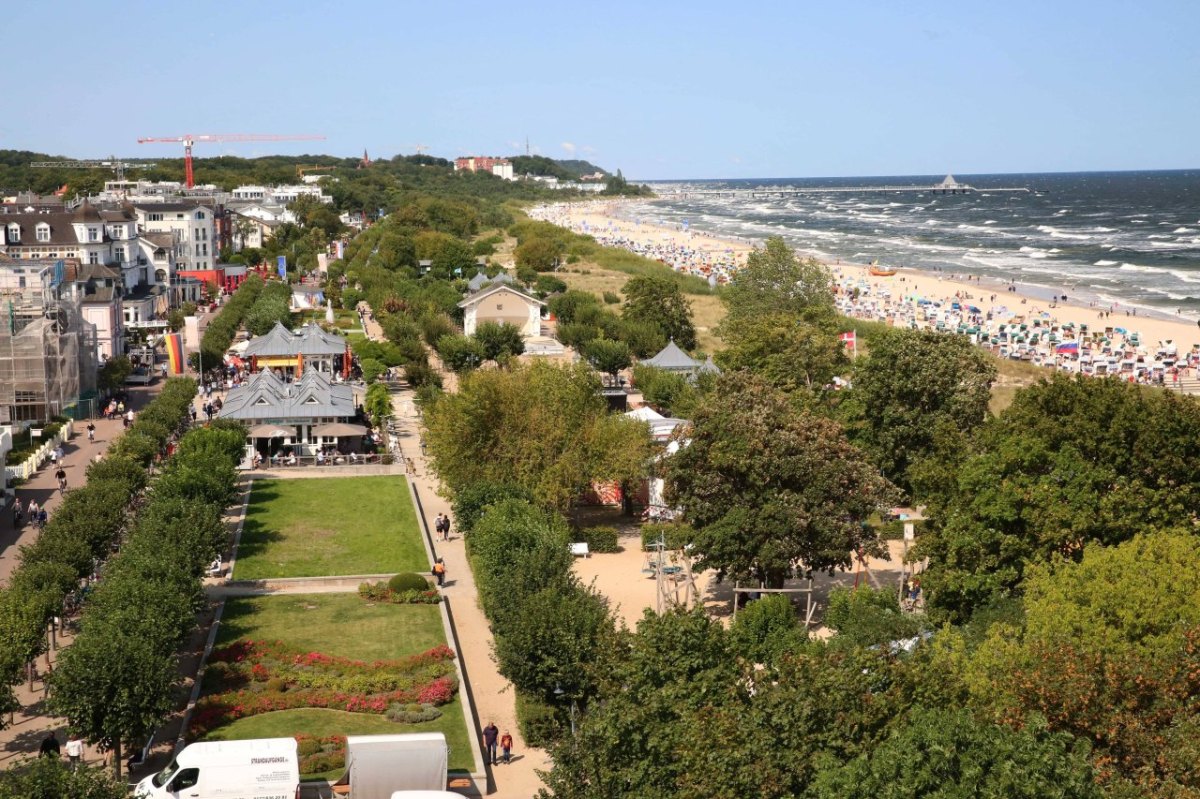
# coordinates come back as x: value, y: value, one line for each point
x: 30, y: 465
x: 296, y: 462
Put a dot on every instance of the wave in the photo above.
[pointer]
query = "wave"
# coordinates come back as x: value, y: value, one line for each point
x: 1105, y: 263
x: 1055, y: 233
x: 1138, y: 268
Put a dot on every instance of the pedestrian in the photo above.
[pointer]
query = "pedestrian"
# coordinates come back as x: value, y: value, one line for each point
x: 505, y: 747
x: 91, y: 428
x: 490, y: 734
x: 42, y: 518
x: 54, y: 456
x: 61, y: 476
x: 58, y: 452
x: 50, y: 746
x: 129, y: 417
x: 74, y: 751
x: 437, y: 526
x: 192, y: 411
x: 439, y: 571
x: 445, y: 527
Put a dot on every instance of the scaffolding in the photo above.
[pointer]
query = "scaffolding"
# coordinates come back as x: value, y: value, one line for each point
x: 47, y: 349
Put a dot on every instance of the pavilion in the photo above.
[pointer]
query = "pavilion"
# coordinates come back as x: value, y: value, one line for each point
x: 294, y: 354
x: 672, y: 359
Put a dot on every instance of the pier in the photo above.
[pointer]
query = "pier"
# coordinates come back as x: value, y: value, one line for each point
x: 948, y: 186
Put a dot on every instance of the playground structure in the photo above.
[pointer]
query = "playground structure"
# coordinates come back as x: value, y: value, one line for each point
x: 675, y: 584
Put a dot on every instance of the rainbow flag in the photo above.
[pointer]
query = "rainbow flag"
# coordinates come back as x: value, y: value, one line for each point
x: 175, y: 353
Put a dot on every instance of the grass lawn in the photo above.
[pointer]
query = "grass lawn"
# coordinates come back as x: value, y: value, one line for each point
x: 321, y: 722
x: 326, y: 527
x: 336, y: 624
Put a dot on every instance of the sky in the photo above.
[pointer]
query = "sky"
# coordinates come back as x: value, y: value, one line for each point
x: 659, y: 89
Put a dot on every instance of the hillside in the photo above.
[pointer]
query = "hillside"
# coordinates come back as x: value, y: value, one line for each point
x: 571, y: 169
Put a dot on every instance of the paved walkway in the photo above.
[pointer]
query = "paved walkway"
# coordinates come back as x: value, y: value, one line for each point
x: 494, y: 696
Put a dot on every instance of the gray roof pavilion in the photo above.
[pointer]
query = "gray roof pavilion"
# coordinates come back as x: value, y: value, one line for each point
x: 266, y: 398
x: 281, y: 343
x: 673, y: 359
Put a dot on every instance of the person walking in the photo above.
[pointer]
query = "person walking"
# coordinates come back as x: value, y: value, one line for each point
x: 74, y: 751
x: 505, y: 747
x: 129, y: 417
x: 490, y: 734
x: 445, y: 527
x: 91, y: 428
x: 439, y: 571
x: 50, y: 746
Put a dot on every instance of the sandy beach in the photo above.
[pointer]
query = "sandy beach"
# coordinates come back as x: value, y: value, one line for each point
x: 697, y: 252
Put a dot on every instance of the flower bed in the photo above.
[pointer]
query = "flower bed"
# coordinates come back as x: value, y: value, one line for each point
x: 379, y: 592
x: 252, y: 677
x: 318, y: 755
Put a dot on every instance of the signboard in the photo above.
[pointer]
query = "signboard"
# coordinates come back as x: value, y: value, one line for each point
x: 282, y: 264
x: 909, y: 531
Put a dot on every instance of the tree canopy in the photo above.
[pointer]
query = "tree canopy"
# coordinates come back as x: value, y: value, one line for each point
x: 766, y: 485
x: 774, y: 281
x: 660, y: 302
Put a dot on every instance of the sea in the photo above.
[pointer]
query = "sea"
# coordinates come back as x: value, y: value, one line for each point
x: 1125, y: 238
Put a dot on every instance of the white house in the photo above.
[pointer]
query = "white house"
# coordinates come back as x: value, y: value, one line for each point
x: 193, y: 225
x: 504, y: 304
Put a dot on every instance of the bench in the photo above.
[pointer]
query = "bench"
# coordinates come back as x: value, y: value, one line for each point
x: 580, y: 549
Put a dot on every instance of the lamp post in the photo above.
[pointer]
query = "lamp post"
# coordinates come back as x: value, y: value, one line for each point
x: 558, y: 695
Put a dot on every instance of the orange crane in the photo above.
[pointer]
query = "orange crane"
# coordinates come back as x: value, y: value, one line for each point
x: 190, y: 139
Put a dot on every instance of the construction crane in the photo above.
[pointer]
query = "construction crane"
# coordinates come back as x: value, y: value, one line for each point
x: 115, y: 164
x: 191, y: 138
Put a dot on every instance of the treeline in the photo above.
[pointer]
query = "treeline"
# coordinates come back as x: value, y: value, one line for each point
x: 218, y: 336
x: 116, y: 681
x: 82, y: 533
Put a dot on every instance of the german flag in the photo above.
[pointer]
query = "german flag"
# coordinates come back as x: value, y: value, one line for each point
x: 175, y: 353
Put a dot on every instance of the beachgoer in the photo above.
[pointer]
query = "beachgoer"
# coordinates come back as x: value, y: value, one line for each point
x: 74, y: 751
x: 490, y: 734
x: 506, y: 747
x: 50, y: 746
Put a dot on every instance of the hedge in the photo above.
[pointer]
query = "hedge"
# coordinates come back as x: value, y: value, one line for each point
x: 599, y: 539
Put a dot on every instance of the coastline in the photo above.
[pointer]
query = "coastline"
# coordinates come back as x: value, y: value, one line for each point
x: 698, y: 252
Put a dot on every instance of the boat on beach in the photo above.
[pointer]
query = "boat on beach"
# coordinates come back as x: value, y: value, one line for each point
x: 880, y: 271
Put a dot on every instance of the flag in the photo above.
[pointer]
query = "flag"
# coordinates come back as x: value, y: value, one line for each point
x: 849, y: 340
x: 1068, y: 346
x: 12, y: 319
x: 174, y: 342
x: 282, y: 263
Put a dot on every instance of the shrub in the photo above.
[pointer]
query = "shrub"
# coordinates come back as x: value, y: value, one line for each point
x: 676, y: 535
x: 611, y: 298
x: 473, y: 499
x: 306, y: 746
x: 413, y: 713
x: 538, y: 721
x: 408, y: 581
x: 599, y: 539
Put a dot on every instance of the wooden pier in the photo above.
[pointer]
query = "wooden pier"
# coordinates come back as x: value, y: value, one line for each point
x: 947, y: 186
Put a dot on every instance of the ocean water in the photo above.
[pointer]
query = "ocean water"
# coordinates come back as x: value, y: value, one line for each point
x: 1107, y: 237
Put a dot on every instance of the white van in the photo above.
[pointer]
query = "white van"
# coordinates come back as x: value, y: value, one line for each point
x: 265, y: 768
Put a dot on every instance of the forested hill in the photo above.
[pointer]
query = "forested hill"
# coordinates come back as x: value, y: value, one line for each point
x: 548, y: 167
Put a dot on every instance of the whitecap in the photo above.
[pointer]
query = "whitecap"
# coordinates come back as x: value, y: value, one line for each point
x: 1105, y: 263
x: 1138, y: 268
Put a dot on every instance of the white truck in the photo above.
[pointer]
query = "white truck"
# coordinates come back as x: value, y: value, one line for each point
x: 383, y: 766
x: 265, y: 768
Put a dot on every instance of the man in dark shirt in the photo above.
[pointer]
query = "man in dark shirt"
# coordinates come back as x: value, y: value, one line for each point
x: 490, y: 734
x: 50, y: 746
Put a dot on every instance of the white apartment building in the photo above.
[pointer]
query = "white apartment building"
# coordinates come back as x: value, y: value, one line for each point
x: 192, y: 227
x: 279, y: 195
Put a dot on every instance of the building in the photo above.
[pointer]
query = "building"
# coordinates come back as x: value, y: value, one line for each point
x: 672, y: 359
x: 100, y: 294
x: 294, y: 354
x: 503, y: 304
x: 192, y: 224
x: 47, y: 348
x: 481, y: 280
x: 302, y: 412
x: 279, y: 195
x: 500, y: 167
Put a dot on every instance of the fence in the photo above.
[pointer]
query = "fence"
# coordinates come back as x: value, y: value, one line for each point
x: 26, y: 469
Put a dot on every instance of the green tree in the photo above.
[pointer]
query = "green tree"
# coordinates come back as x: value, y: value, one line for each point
x: 114, y: 372
x: 775, y: 281
x: 539, y: 426
x: 460, y: 353
x: 378, y: 404
x: 567, y: 306
x: 766, y: 630
x: 913, y: 384
x: 607, y: 356
x: 541, y: 254
x: 766, y: 485
x: 947, y: 753
x: 867, y: 616
x: 787, y: 352
x: 50, y: 778
x: 113, y: 687
x: 659, y: 301
x: 372, y: 369
x: 499, y: 340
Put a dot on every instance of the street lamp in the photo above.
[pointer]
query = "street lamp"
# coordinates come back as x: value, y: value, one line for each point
x: 558, y: 695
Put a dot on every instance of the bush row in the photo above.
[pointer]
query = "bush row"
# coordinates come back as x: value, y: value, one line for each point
x: 115, y: 682
x: 221, y: 330
x: 547, y: 626
x: 82, y: 532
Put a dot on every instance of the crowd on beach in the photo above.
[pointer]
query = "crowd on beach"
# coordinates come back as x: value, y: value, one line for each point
x: 691, y: 252
x: 1023, y: 333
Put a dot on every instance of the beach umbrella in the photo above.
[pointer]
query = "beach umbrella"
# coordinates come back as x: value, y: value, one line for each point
x: 1120, y: 330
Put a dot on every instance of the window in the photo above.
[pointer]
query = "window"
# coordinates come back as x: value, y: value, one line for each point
x: 197, y: 249
x: 200, y: 215
x: 93, y: 257
x: 204, y: 234
x: 93, y: 234
x: 179, y: 216
x: 118, y: 231
x: 155, y: 217
x: 43, y: 232
x: 14, y: 232
x: 119, y: 254
x: 204, y: 246
x: 186, y: 778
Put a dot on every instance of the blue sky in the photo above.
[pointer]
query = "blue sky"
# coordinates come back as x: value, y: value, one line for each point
x: 659, y: 89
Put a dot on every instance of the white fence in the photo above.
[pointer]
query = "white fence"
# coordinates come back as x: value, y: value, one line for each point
x: 26, y: 470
